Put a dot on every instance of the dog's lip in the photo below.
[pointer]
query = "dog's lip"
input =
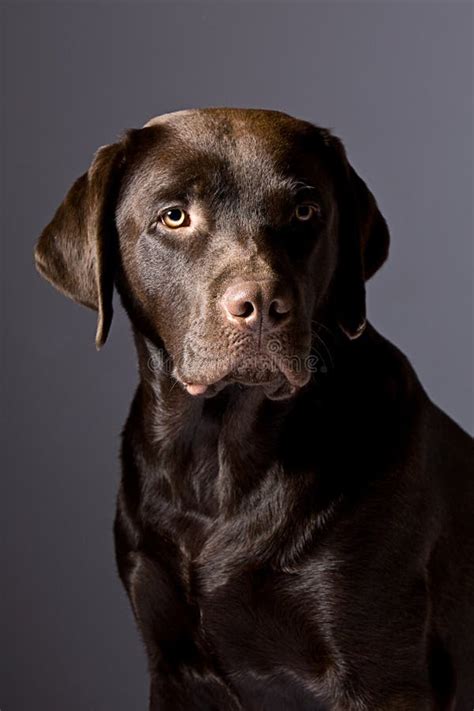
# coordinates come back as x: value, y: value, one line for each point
x: 228, y: 377
x: 296, y: 379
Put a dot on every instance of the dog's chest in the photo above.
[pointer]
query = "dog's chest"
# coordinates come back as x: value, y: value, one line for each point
x: 266, y: 647
x: 245, y: 574
x: 259, y: 621
x: 260, y: 618
x: 288, y: 592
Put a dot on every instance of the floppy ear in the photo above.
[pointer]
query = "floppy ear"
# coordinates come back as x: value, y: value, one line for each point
x: 76, y: 252
x: 363, y: 240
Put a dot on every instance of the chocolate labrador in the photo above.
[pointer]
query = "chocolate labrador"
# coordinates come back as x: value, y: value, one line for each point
x: 295, y: 521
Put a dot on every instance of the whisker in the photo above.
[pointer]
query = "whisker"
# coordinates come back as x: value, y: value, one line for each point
x: 322, y: 325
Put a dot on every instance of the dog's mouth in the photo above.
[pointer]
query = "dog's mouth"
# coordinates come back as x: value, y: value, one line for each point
x: 279, y: 377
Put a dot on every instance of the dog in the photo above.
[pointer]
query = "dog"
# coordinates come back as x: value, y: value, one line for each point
x: 295, y: 520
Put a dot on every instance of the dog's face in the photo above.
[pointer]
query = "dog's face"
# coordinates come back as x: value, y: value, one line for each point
x: 225, y: 224
x: 226, y: 232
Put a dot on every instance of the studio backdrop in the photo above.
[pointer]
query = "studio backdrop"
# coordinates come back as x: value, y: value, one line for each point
x: 392, y: 79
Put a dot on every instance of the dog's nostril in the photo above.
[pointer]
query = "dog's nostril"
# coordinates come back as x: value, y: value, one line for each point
x: 247, y: 309
x: 279, y: 308
x: 239, y: 308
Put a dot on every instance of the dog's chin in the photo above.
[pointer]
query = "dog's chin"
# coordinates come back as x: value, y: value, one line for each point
x: 274, y: 384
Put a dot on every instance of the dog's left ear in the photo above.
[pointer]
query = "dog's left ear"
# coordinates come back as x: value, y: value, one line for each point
x: 76, y: 252
x: 363, y: 239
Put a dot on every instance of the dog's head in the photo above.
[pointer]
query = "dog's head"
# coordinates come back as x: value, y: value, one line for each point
x: 227, y: 232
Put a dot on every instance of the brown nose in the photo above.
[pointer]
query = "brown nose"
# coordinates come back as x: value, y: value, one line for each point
x: 253, y: 304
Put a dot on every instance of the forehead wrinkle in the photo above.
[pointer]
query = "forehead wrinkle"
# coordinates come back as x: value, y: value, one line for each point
x: 235, y: 172
x: 243, y: 146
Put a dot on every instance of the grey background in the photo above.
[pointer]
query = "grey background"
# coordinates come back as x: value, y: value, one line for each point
x: 394, y: 80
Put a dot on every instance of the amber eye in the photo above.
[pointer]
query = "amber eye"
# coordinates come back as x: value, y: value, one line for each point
x: 175, y: 217
x: 306, y: 211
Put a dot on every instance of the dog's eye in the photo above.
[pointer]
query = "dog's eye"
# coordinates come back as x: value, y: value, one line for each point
x: 175, y: 217
x: 306, y: 211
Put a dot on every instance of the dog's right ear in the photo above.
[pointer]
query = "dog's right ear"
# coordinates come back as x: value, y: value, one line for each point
x: 76, y: 252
